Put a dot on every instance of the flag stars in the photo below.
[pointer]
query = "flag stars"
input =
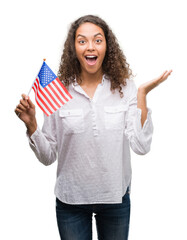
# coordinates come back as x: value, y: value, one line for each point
x: 46, y: 75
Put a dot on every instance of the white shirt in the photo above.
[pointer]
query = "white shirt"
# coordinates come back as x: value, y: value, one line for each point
x: 91, y: 138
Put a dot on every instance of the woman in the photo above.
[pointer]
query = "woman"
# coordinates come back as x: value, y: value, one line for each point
x: 92, y: 134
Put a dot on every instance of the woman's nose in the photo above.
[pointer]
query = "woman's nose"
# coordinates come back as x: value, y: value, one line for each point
x: 91, y: 46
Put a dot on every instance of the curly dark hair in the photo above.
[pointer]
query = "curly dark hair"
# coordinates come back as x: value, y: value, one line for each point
x: 114, y: 66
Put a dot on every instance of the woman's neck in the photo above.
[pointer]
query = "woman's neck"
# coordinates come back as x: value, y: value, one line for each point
x: 91, y: 80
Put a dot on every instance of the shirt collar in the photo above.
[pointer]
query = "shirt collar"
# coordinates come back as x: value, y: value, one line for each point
x: 102, y: 82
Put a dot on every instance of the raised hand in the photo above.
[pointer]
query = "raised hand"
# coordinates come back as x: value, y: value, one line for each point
x: 148, y: 86
x: 143, y: 91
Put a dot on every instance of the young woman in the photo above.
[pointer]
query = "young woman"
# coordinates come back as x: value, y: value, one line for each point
x: 92, y: 134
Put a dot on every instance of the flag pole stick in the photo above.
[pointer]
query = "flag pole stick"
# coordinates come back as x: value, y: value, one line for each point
x: 34, y: 80
x: 30, y: 88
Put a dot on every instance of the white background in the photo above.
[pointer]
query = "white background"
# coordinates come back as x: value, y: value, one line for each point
x: 153, y: 37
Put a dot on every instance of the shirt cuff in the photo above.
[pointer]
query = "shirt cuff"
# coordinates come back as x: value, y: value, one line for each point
x: 33, y: 137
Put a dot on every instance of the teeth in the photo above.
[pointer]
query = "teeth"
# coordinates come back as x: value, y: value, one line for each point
x: 90, y: 56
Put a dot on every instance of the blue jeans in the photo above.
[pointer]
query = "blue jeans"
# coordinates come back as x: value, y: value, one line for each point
x: 112, y: 220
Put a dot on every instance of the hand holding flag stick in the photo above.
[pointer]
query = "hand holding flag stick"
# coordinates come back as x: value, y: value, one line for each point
x: 50, y: 95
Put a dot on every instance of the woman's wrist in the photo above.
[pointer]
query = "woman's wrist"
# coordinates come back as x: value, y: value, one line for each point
x: 31, y: 128
x: 142, y: 92
x: 141, y: 104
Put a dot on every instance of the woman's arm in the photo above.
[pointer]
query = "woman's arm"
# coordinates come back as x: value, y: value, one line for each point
x: 42, y: 142
x: 144, y: 89
x: 139, y: 137
x: 139, y: 127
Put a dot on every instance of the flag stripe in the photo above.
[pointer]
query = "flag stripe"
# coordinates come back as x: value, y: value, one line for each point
x: 53, y: 94
x: 67, y: 97
x: 40, y: 101
x: 56, y: 94
x: 43, y: 102
x: 59, y: 90
x: 53, y: 99
x: 35, y: 87
x: 46, y: 97
x: 43, y: 109
x: 60, y: 103
x: 41, y: 105
x: 65, y: 90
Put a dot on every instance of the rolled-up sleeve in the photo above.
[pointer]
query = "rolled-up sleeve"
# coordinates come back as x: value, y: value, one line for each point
x: 139, y: 137
x: 43, y: 142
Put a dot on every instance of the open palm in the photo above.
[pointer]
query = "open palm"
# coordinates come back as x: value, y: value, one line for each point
x: 148, y: 86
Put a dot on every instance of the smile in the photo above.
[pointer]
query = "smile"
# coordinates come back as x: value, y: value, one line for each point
x: 91, y: 60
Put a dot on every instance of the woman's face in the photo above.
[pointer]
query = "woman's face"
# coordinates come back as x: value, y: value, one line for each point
x: 90, y: 46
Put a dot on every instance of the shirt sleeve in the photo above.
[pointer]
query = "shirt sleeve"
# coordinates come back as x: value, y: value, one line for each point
x: 43, y: 142
x: 139, y: 137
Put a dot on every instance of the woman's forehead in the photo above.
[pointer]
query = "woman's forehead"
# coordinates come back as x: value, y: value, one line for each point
x: 89, y: 29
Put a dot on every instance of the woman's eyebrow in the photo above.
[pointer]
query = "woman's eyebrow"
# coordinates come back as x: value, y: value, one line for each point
x: 98, y: 34
x: 95, y: 35
x: 80, y: 35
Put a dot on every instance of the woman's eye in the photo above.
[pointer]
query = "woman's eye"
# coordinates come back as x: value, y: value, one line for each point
x: 98, y: 41
x: 81, y: 41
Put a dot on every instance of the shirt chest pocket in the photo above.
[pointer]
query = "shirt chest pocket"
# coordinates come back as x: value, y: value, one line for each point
x: 115, y: 117
x: 72, y: 121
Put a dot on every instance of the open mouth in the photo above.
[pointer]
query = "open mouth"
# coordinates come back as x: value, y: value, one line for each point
x: 91, y: 60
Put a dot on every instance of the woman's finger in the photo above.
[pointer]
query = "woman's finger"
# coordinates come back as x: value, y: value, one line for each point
x: 163, y: 77
x: 30, y: 103
x: 18, y: 111
x: 163, y: 74
x: 24, y: 96
x: 27, y: 102
x: 24, y: 103
x: 22, y: 107
x: 167, y: 74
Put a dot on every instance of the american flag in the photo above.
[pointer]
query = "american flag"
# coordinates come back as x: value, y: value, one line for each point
x: 50, y: 93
